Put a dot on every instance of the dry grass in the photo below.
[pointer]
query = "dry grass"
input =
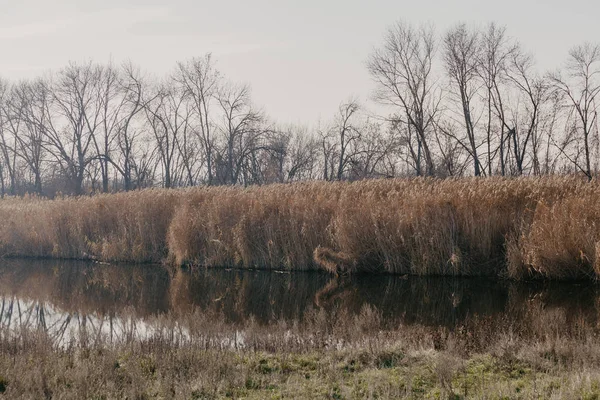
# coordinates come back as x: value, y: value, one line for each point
x: 519, y: 228
x: 326, y: 355
x: 120, y: 227
x: 276, y: 226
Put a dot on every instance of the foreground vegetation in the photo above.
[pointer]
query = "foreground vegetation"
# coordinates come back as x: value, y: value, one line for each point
x: 89, y: 330
x: 326, y: 355
x: 520, y: 228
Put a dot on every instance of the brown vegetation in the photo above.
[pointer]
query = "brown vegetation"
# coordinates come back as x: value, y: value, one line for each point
x: 326, y: 355
x: 517, y: 228
x: 122, y: 227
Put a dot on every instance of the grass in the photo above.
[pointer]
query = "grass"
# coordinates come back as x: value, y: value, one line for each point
x: 325, y: 355
x: 517, y: 228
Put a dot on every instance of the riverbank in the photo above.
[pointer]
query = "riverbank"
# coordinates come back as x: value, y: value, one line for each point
x: 512, y: 228
x: 327, y: 356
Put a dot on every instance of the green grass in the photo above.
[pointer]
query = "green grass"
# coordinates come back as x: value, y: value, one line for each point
x: 201, y: 374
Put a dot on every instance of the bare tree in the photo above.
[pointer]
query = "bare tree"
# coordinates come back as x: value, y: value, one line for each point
x: 494, y: 56
x: 411, y: 151
x: 532, y: 94
x: 72, y: 115
x: 3, y: 99
x: 112, y: 104
x: 402, y: 69
x: 201, y: 80
x: 132, y: 88
x: 328, y: 148
x: 461, y: 56
x: 241, y: 131
x: 290, y: 154
x: 9, y: 130
x: 301, y: 155
x: 347, y: 135
x: 452, y: 160
x: 339, y: 141
x: 375, y: 151
x: 168, y: 115
x: 25, y: 107
x: 580, y: 89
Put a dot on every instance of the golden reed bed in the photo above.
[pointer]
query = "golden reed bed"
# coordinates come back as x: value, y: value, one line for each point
x: 516, y: 228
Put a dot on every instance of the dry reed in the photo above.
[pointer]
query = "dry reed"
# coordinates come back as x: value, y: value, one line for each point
x: 518, y: 228
x: 120, y: 227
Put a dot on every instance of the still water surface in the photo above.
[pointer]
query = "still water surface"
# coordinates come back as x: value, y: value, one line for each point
x: 121, y: 301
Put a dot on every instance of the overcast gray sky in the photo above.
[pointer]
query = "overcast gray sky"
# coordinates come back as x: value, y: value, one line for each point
x: 302, y: 58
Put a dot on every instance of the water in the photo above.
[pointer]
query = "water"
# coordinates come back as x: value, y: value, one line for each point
x: 64, y: 298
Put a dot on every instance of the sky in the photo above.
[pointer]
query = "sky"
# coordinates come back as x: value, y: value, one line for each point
x: 301, y: 58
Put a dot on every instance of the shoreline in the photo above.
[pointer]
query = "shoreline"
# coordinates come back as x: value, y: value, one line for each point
x: 535, y: 280
x: 328, y: 356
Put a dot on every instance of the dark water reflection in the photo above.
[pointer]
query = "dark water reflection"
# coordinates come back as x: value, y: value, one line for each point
x: 51, y: 290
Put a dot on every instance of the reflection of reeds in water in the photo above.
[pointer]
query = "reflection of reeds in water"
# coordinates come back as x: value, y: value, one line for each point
x: 240, y: 295
x: 86, y: 288
x: 268, y: 298
x: 237, y: 297
x: 526, y: 316
x: 529, y: 321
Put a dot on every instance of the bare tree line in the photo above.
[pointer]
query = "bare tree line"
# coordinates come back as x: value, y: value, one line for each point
x: 468, y: 101
x: 472, y: 99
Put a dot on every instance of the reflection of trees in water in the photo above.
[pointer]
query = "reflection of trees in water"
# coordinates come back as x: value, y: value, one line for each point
x: 87, y: 287
x: 104, y: 293
x: 18, y: 316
